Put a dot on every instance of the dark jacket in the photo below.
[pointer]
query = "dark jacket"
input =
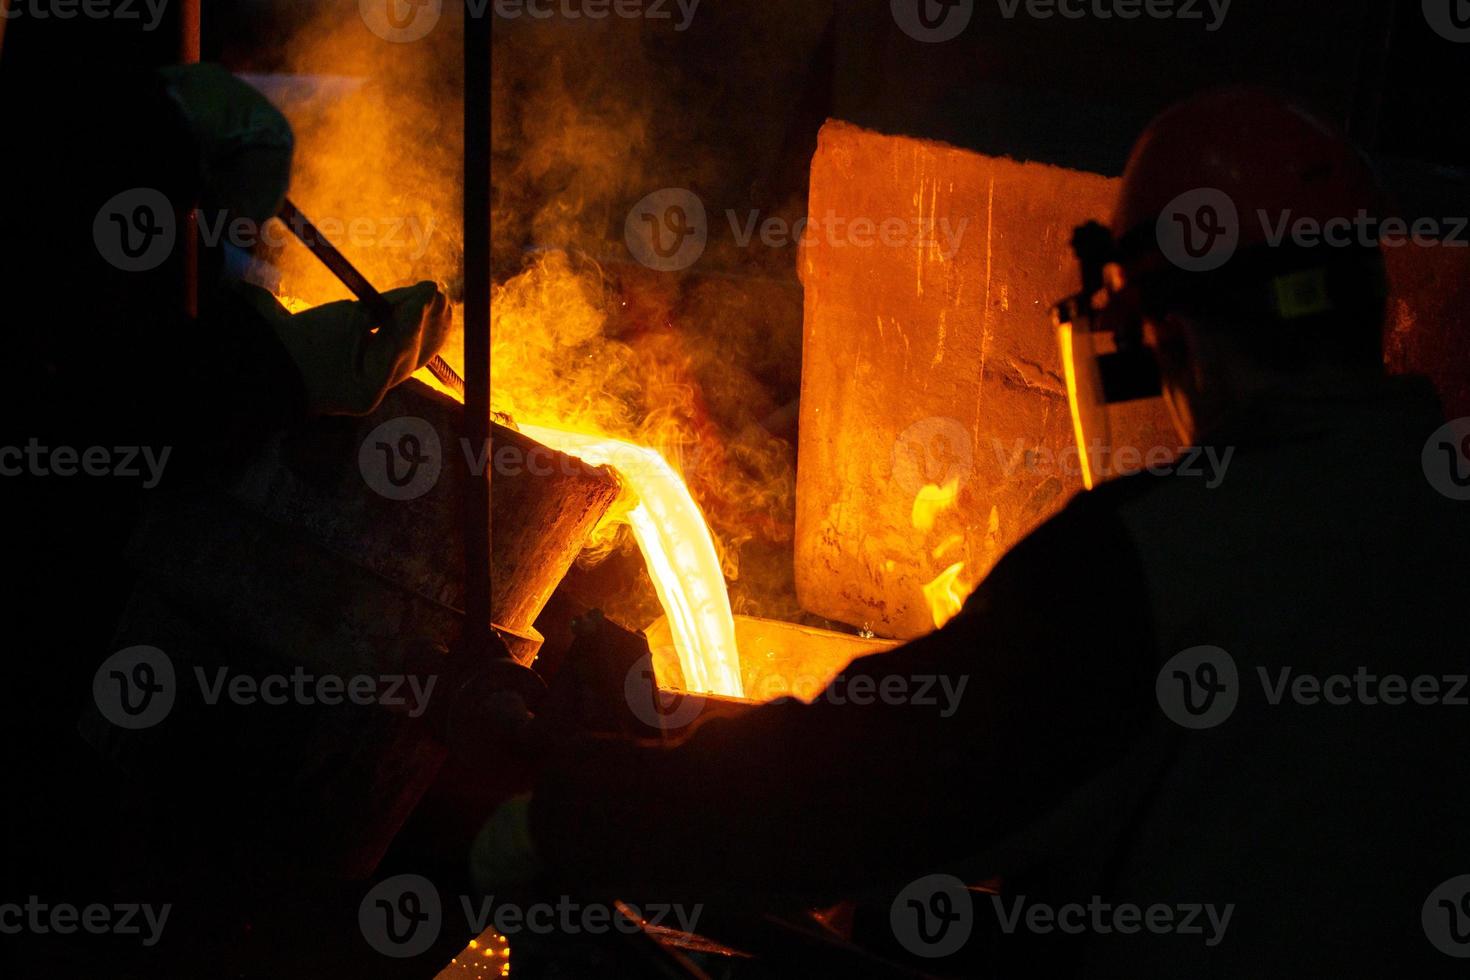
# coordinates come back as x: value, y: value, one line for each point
x: 1323, y: 551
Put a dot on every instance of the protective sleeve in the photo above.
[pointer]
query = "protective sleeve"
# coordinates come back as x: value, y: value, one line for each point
x: 1044, y: 678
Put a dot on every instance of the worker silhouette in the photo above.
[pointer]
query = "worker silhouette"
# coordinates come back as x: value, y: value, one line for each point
x: 1211, y: 725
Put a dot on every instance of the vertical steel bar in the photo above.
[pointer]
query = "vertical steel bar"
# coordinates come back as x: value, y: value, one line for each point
x: 189, y: 55
x: 1365, y: 113
x: 477, y: 530
x: 188, y: 32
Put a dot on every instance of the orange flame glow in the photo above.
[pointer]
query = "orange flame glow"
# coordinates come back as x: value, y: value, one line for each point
x: 932, y: 500
x: 946, y: 594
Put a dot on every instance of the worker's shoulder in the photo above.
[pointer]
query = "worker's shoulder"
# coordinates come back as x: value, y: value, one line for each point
x: 1092, y: 522
x: 1103, y: 520
x: 1106, y: 501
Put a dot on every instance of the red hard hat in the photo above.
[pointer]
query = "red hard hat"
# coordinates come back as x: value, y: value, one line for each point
x: 1262, y: 150
x: 1210, y: 187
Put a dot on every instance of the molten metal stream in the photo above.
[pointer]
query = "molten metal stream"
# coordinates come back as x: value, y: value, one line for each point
x: 679, y: 552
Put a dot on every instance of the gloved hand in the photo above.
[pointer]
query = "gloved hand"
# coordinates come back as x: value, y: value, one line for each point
x: 347, y: 369
x: 245, y: 143
x: 503, y: 854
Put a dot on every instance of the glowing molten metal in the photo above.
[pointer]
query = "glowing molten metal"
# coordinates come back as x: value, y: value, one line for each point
x: 679, y: 552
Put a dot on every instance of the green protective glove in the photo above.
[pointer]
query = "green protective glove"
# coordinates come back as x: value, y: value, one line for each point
x: 346, y: 368
x: 503, y: 854
x: 245, y: 144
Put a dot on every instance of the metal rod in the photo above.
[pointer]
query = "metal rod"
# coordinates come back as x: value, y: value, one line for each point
x: 379, y: 309
x: 189, y: 32
x: 659, y: 959
x: 477, y: 529
x: 189, y: 55
x: 1365, y: 111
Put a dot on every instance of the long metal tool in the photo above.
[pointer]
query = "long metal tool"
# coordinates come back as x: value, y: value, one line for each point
x: 477, y: 239
x: 378, y: 308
